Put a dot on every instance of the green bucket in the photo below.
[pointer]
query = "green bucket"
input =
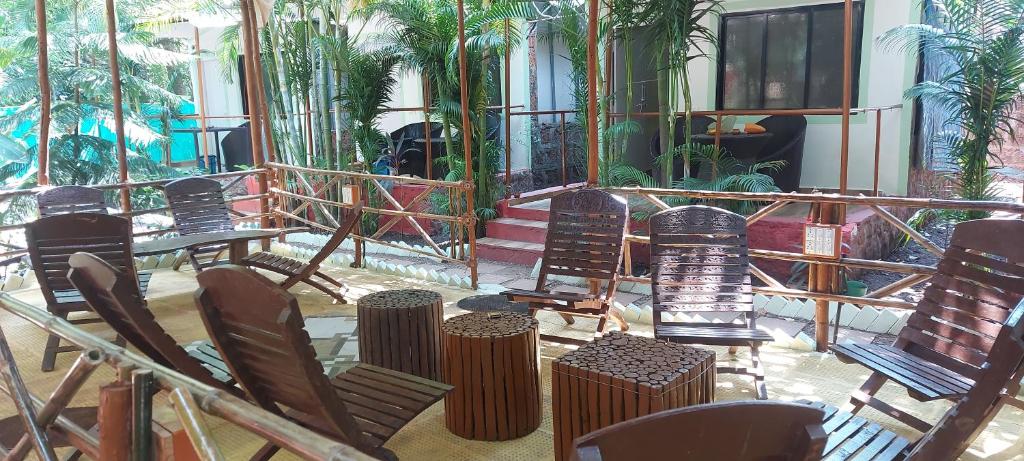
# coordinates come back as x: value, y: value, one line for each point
x: 856, y: 288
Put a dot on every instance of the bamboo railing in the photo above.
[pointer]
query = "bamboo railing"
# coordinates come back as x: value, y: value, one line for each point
x: 230, y: 180
x: 302, y: 191
x: 127, y: 404
x: 823, y: 280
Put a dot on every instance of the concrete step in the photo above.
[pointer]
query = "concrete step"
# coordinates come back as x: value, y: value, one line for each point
x: 523, y: 230
x: 525, y: 253
x: 536, y: 211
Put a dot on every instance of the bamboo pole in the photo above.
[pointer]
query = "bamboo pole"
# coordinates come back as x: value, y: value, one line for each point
x: 253, y: 95
x: 508, y: 113
x: 115, y: 81
x: 201, y: 98
x: 43, y: 176
x: 467, y: 140
x: 142, y: 414
x: 844, y: 160
x: 264, y: 112
x: 878, y: 150
x: 428, y: 136
x: 61, y: 397
x: 195, y: 426
x: 592, y: 134
x: 23, y: 401
x: 114, y: 421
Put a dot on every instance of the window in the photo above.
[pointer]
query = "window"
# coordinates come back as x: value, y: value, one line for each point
x: 786, y: 59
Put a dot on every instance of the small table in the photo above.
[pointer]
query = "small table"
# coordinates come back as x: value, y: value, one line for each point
x: 401, y: 330
x: 492, y: 303
x: 493, y: 360
x: 619, y: 377
x: 237, y: 241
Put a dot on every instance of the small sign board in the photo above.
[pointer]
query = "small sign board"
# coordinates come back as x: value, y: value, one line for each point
x: 349, y: 194
x: 823, y: 240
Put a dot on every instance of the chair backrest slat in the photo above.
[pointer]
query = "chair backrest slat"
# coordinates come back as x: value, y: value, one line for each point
x: 117, y: 300
x: 584, y: 236
x: 70, y: 199
x: 759, y: 430
x: 197, y: 206
x: 258, y: 329
x: 53, y: 239
x: 980, y: 280
x: 699, y: 261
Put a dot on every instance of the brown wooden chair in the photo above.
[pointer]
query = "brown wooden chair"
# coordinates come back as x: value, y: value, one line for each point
x: 197, y: 206
x: 78, y: 199
x: 699, y: 264
x: 52, y: 240
x: 70, y: 199
x: 996, y: 383
x: 585, y: 236
x: 299, y: 271
x: 258, y: 328
x: 748, y: 430
x: 939, y: 354
x: 112, y: 295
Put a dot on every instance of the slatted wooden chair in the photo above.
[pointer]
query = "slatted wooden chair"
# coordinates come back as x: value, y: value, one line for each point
x: 996, y: 383
x: 585, y: 237
x: 699, y: 265
x: 749, y: 430
x: 258, y: 328
x: 70, y: 199
x: 112, y: 295
x: 197, y: 206
x: 939, y: 354
x: 299, y: 271
x: 78, y: 199
x: 52, y: 240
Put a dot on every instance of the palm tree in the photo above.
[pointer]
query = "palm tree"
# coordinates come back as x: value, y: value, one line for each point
x: 370, y: 85
x: 154, y: 76
x: 425, y: 34
x: 984, y: 41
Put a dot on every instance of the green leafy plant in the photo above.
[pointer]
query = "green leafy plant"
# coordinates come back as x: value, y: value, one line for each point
x: 984, y: 40
x: 727, y: 174
x: 371, y: 83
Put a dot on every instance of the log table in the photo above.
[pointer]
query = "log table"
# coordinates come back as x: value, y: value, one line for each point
x: 619, y: 377
x: 401, y: 330
x: 493, y: 360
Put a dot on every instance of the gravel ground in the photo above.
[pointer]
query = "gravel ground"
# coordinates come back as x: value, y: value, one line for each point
x: 939, y: 232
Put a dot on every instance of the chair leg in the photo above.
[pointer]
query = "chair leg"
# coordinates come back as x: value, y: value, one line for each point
x: 194, y: 261
x: 329, y: 279
x: 179, y: 260
x: 265, y: 452
x: 569, y: 320
x: 869, y: 388
x: 759, y: 385
x: 334, y: 294
x: 617, y: 317
x: 52, y: 347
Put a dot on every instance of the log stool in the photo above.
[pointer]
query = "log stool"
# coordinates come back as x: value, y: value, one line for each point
x: 401, y: 330
x: 619, y: 377
x: 493, y: 360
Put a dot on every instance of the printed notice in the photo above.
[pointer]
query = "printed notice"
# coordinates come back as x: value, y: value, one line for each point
x: 821, y: 240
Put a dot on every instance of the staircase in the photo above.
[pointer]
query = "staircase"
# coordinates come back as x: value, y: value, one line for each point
x: 517, y: 236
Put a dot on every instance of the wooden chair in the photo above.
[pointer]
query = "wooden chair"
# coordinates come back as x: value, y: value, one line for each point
x: 258, y: 328
x: 78, y: 199
x: 197, y: 206
x: 52, y: 240
x: 948, y: 338
x: 748, y: 430
x: 699, y: 264
x: 298, y: 271
x: 996, y: 383
x: 112, y: 295
x: 585, y: 236
x: 70, y: 199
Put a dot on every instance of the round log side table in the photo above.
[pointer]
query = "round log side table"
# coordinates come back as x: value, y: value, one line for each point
x: 619, y: 377
x: 401, y: 330
x: 493, y: 360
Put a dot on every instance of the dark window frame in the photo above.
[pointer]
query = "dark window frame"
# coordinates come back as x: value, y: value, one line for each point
x: 809, y: 10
